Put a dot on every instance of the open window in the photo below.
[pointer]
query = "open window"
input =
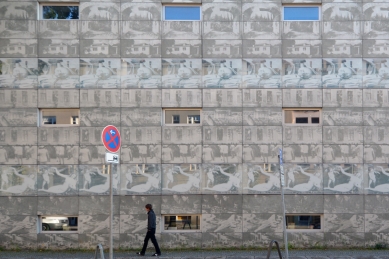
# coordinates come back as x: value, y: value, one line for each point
x: 182, y: 117
x: 309, y: 116
x: 181, y: 13
x: 304, y: 222
x: 59, y: 11
x: 49, y: 224
x: 59, y: 117
x: 301, y: 13
x: 181, y: 223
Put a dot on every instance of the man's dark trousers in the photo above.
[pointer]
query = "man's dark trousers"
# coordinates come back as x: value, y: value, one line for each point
x: 150, y: 235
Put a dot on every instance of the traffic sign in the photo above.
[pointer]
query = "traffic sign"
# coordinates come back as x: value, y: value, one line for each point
x: 111, y: 138
x: 112, y: 158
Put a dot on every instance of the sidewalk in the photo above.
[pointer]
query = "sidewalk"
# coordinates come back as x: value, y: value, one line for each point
x: 293, y: 254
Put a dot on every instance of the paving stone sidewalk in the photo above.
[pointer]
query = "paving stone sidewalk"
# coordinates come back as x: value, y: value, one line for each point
x: 294, y: 254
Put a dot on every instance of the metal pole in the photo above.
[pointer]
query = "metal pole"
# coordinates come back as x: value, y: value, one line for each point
x: 282, y: 179
x: 110, y: 213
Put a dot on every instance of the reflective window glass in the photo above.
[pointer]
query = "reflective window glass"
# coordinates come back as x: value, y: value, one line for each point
x: 59, y: 223
x: 303, y: 222
x: 301, y: 13
x: 60, y: 12
x: 182, y: 13
x: 181, y: 222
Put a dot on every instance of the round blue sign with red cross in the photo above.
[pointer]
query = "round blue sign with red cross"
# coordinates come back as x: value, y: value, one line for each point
x: 111, y: 138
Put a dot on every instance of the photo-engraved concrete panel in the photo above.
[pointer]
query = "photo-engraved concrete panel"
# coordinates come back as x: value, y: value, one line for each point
x: 261, y: 153
x: 141, y: 135
x: 18, y: 155
x: 302, y: 48
x: 141, y: 73
x: 262, y: 116
x: 375, y: 117
x: 133, y: 240
x: 222, y: 98
x: 376, y: 203
x: 343, y: 116
x: 217, y: 203
x: 100, y: 98
x: 375, y: 76
x: 343, y: 203
x: 178, y: 240
x: 262, y: 73
x: 99, y: 116
x: 344, y: 178
x: 141, y: 98
x: 253, y: 48
x: 181, y: 203
x: 302, y: 98
x: 222, y: 240
x: 141, y: 179
x: 57, y: 29
x: 88, y: 241
x: 342, y: 48
x: 59, y: 48
x: 376, y: 223
x: 305, y: 240
x: 18, y: 98
x: 94, y: 180
x: 342, y: 135
x: 222, y: 135
x: 375, y: 98
x: 18, y: 136
x: 263, y: 12
x: 141, y: 12
x: 134, y: 223
x: 57, y: 241
x: 58, y: 73
x: 299, y: 203
x: 222, y: 178
x: 181, y: 73
x: 107, y: 30
x: 97, y: 204
x: 18, y: 29
x: 97, y: 224
x: 58, y: 205
x: 307, y: 30
x: 305, y: 153
x: 148, y: 30
x: 178, y: 48
x: 375, y: 48
x: 225, y: 73
x: 262, y: 134
x: 18, y: 11
x: 221, y: 12
x: 181, y: 153
x: 181, y: 135
x: 181, y: 178
x: 57, y: 180
x: 261, y: 30
x: 342, y: 73
x: 99, y: 11
x: 99, y: 48
x: 100, y: 73
x: 302, y: 135
x: 261, y: 178
x: 12, y: 205
x: 375, y: 11
x: 375, y: 135
x: 304, y: 178
x: 342, y: 30
x: 262, y: 240
x: 222, y: 30
x: 18, y: 224
x: 18, y: 73
x: 262, y: 223
x: 344, y: 223
x: 260, y: 203
x: 375, y: 29
x: 19, y: 241
x: 58, y: 98
x: 189, y: 30
x: 140, y: 48
x: 27, y: 48
x: 135, y: 204
x: 222, y: 223
x: 262, y: 98
x: 222, y: 116
x: 336, y: 240
x: 342, y: 98
x: 301, y: 73
x: 373, y: 239
x: 181, y: 98
x: 141, y: 153
x: 91, y: 154
x: 223, y: 153
x: 376, y: 154
x: 342, y: 11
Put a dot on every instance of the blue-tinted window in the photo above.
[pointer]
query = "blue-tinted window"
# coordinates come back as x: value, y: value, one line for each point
x: 301, y: 13
x: 60, y: 12
x: 182, y: 13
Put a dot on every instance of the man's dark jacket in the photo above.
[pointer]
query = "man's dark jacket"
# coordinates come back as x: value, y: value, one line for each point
x: 151, y: 222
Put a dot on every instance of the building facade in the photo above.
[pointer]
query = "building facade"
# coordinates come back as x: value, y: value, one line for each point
x: 230, y: 81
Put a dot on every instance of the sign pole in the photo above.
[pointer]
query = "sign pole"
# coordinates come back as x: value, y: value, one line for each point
x: 283, y: 203
x: 111, y: 212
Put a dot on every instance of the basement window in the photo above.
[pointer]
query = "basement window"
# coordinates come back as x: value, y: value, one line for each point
x: 59, y: 11
x: 181, y: 223
x: 303, y: 222
x: 59, y: 117
x: 301, y: 13
x: 302, y: 116
x: 182, y: 13
x: 49, y: 224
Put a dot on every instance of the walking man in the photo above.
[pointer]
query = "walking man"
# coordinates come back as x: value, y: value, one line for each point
x: 151, y: 226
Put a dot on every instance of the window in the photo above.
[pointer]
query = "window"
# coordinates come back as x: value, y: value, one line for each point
x: 182, y: 116
x: 59, y: 11
x: 58, y: 223
x: 182, y: 13
x: 302, y: 116
x: 189, y: 223
x: 303, y: 222
x: 59, y: 117
x: 301, y: 13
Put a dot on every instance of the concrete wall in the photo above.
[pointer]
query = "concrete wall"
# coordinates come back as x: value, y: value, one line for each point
x: 347, y: 55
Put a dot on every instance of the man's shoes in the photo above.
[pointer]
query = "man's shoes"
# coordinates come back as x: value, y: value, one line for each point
x: 156, y: 254
x: 140, y: 254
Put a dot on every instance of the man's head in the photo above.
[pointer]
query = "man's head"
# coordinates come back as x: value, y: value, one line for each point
x: 149, y: 207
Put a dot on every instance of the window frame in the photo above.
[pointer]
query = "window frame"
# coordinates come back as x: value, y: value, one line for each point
x: 305, y: 229
x: 181, y: 109
x: 185, y: 5
x: 163, y: 230
x: 301, y: 5
x: 303, y: 124
x: 39, y: 225
x: 40, y: 118
x: 41, y: 4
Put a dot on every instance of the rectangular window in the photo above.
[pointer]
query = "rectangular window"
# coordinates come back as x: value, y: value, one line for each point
x: 49, y: 224
x: 59, y: 11
x: 301, y: 13
x: 189, y: 223
x: 302, y: 116
x: 59, y: 117
x: 182, y: 13
x: 182, y: 116
x: 303, y: 222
